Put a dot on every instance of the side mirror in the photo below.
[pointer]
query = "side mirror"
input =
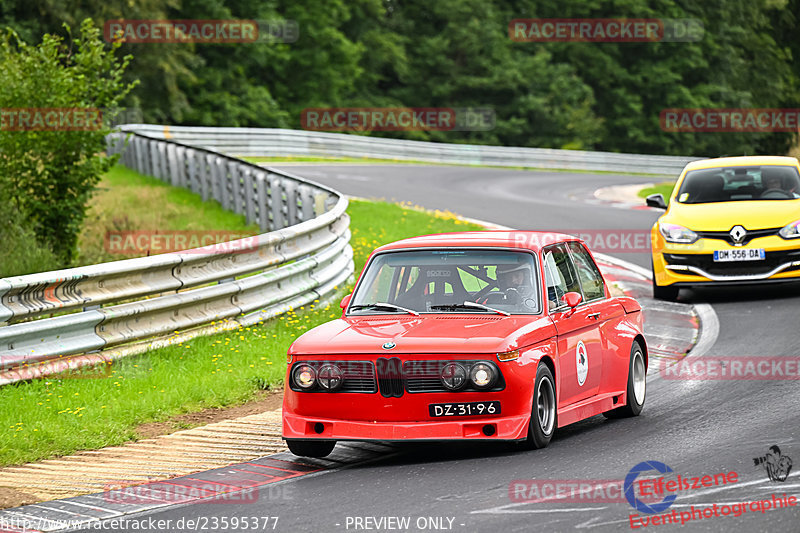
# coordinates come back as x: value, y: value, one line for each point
x: 656, y: 200
x: 345, y: 301
x: 572, y: 299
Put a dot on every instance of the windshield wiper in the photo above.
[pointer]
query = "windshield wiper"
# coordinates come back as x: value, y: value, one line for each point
x: 471, y: 305
x: 384, y: 305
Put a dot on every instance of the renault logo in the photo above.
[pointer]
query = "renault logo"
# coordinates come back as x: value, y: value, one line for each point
x: 388, y: 345
x: 738, y: 233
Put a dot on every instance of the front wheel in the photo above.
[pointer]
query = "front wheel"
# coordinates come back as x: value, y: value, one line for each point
x: 311, y: 448
x: 637, y: 386
x: 543, y: 415
x: 668, y: 292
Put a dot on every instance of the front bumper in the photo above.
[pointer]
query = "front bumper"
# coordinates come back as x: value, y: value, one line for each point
x: 502, y: 428
x: 684, y: 265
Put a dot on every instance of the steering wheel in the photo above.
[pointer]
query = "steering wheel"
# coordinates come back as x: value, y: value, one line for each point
x: 483, y: 292
x: 512, y: 295
x: 775, y: 193
x: 508, y: 296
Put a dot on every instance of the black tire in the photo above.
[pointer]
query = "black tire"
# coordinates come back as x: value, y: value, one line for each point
x: 544, y: 412
x: 637, y: 386
x: 668, y: 292
x: 311, y: 448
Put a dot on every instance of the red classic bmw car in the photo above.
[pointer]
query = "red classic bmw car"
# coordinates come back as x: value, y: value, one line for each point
x: 489, y: 335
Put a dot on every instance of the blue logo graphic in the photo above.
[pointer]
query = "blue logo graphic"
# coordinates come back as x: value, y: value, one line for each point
x: 636, y: 503
x: 388, y: 345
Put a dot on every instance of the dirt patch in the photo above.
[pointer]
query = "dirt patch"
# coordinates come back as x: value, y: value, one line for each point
x: 13, y: 498
x: 265, y: 401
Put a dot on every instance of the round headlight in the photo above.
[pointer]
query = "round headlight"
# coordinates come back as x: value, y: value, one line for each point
x: 304, y: 376
x: 482, y: 376
x: 454, y: 376
x: 330, y: 377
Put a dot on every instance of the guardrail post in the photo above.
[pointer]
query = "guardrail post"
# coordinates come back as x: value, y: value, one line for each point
x: 250, y: 195
x: 262, y: 203
x: 290, y: 201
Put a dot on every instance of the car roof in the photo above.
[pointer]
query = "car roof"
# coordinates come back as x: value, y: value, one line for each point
x: 528, y: 240
x: 742, y: 161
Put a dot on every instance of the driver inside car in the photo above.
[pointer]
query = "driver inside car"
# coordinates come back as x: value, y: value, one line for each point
x: 773, y: 182
x: 514, y: 281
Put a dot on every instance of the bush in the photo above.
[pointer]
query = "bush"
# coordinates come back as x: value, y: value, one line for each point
x: 49, y: 169
x: 22, y: 252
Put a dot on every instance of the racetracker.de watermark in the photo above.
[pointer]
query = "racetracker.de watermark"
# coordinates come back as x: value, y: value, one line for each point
x: 570, y: 491
x: 182, y: 491
x: 191, y: 242
x: 610, y: 30
x: 398, y: 119
x: 598, y: 240
x: 242, y: 31
x: 732, y: 368
x: 740, y: 120
x: 51, y: 119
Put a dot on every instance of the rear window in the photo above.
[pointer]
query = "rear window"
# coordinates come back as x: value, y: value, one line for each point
x: 729, y: 184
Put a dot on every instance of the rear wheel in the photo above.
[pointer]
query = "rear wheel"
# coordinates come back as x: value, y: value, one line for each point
x: 543, y: 415
x: 311, y: 448
x: 637, y: 386
x: 668, y: 292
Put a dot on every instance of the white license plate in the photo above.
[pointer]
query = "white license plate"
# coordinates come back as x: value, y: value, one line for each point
x: 741, y: 254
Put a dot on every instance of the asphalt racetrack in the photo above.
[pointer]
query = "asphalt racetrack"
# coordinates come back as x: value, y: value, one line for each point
x: 695, y: 427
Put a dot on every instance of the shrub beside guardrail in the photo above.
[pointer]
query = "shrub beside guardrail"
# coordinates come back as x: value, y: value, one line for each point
x: 303, y: 255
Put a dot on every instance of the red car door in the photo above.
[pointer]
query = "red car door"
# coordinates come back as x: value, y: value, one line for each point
x: 580, y: 348
x: 609, y: 314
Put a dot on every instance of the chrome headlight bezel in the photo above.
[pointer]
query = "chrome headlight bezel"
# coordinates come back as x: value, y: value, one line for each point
x: 457, y: 371
x: 300, y: 369
x: 330, y: 377
x: 491, y: 375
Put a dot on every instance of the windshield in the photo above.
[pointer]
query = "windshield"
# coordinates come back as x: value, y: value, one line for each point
x: 441, y: 281
x: 727, y: 184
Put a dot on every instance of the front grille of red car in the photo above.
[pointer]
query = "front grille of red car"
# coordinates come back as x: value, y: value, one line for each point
x: 390, y: 377
x: 359, y: 376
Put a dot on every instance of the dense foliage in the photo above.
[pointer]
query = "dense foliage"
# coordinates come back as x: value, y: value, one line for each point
x: 457, y: 53
x: 48, y: 174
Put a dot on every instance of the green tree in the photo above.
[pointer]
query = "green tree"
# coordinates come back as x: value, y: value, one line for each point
x: 49, y: 175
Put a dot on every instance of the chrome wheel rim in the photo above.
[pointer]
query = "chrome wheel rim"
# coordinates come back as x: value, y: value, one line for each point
x: 639, y: 377
x: 546, y: 405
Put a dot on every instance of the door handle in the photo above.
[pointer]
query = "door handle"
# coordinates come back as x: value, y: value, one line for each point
x: 593, y: 315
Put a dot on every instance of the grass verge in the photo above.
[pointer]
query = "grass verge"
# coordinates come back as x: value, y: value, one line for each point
x: 44, y: 418
x: 665, y: 189
x: 128, y: 201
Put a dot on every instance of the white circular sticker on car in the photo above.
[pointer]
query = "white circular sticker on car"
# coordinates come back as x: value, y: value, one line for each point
x: 581, y: 362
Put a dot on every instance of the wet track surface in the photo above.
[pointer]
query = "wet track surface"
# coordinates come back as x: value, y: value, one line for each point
x: 695, y: 427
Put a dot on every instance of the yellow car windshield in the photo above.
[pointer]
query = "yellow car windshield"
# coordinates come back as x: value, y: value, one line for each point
x: 729, y: 184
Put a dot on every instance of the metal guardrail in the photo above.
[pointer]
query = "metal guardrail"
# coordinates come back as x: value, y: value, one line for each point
x: 281, y: 142
x: 303, y: 254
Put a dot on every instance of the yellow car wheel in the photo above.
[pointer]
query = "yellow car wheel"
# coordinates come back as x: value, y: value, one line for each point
x: 668, y: 293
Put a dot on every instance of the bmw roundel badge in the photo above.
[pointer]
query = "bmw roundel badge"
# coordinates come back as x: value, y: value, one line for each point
x: 388, y: 345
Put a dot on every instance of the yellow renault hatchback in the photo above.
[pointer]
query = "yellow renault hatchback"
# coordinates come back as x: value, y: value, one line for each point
x: 729, y: 220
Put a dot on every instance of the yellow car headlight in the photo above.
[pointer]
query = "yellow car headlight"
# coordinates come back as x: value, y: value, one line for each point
x: 678, y: 234
x: 790, y: 231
